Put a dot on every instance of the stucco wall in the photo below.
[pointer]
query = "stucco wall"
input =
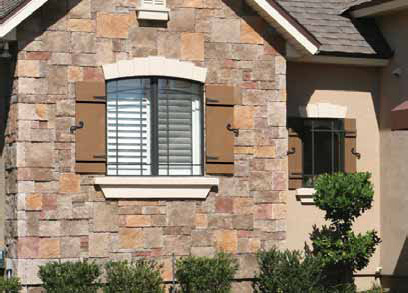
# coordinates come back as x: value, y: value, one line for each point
x: 394, y: 151
x: 56, y: 214
x: 357, y: 88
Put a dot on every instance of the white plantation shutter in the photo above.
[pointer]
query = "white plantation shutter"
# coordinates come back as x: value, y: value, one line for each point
x: 128, y: 127
x: 179, y: 132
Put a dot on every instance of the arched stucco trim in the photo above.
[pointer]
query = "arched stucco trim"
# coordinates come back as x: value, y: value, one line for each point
x: 155, y: 66
x: 323, y: 110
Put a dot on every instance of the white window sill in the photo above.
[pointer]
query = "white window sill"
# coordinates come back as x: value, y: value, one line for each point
x: 118, y: 187
x: 149, y: 12
x: 305, y: 195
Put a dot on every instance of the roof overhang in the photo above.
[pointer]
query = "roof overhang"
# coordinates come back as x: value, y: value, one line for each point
x: 379, y: 8
x: 295, y: 33
x: 18, y: 16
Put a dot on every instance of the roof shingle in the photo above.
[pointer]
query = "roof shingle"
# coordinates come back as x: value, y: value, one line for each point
x: 8, y: 6
x: 336, y: 32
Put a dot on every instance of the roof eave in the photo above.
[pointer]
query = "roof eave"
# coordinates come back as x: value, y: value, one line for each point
x: 378, y: 8
x: 18, y: 16
x: 296, y: 34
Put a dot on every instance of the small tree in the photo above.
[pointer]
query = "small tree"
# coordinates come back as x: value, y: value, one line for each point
x: 343, y: 197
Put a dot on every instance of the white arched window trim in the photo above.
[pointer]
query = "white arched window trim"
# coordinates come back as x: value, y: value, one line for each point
x: 155, y: 66
x: 323, y: 110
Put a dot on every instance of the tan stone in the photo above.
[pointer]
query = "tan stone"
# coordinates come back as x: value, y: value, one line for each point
x: 201, y: 221
x: 105, y: 218
x: 181, y: 214
x: 29, y: 68
x: 99, y: 244
x: 112, y: 25
x: 265, y: 151
x: 279, y: 211
x: 38, y: 155
x: 131, y: 238
x: 74, y: 73
x: 226, y: 240
x: 192, y: 46
x: 244, y: 117
x: 49, y: 248
x: 244, y: 150
x: 69, y: 182
x: 264, y: 212
x: 70, y: 247
x: 251, y: 27
x: 34, y: 202
x: 81, y: 25
x: 243, y: 206
x: 138, y: 221
x: 27, y: 247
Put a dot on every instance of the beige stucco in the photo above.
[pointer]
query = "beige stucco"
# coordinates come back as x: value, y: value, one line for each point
x: 356, y: 88
x: 394, y: 152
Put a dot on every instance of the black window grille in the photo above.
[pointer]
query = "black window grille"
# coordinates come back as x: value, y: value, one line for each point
x: 155, y: 127
x: 323, y: 146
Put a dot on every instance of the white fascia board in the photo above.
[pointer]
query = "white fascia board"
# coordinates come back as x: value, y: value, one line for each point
x: 370, y: 62
x: 286, y: 25
x: 380, y: 9
x: 20, y: 16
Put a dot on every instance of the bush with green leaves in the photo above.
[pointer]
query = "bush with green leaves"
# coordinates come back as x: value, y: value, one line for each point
x: 288, y: 271
x: 141, y: 276
x: 70, y: 277
x: 10, y: 285
x: 205, y: 274
x: 343, y: 198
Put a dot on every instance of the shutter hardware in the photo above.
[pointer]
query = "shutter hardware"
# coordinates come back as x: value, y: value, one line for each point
x: 354, y: 152
x: 75, y: 127
x: 234, y: 130
x: 292, y: 151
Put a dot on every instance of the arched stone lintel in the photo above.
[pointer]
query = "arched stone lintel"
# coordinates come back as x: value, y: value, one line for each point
x: 155, y: 66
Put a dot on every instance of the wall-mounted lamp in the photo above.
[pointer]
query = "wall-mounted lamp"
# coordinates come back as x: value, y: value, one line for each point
x: 6, y: 52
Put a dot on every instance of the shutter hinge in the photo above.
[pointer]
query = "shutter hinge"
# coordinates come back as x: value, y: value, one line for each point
x: 212, y: 158
x: 355, y: 153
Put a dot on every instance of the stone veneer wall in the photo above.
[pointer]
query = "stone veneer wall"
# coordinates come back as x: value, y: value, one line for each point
x: 54, y: 214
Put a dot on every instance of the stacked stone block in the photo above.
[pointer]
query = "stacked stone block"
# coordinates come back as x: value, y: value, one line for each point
x: 55, y: 214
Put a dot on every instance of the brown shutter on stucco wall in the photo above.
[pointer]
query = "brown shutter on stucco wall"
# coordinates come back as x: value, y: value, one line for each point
x: 220, y: 101
x: 90, y: 147
x: 350, y: 146
x: 295, y: 160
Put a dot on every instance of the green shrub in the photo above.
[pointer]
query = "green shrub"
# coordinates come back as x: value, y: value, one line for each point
x: 11, y: 285
x: 141, y: 276
x: 205, y: 275
x: 70, y: 277
x: 343, y: 197
x: 288, y: 271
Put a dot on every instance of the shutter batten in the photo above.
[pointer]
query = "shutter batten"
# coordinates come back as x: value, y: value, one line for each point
x: 90, y: 147
x: 220, y: 141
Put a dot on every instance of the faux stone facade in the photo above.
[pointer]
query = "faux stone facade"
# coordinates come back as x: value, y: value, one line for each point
x: 55, y: 214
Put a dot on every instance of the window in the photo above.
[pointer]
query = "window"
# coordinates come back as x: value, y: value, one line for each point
x: 318, y: 145
x: 154, y: 127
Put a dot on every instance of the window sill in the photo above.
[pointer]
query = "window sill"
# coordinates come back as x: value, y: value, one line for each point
x: 305, y: 195
x: 114, y: 187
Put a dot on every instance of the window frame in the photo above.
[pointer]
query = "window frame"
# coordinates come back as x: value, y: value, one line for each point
x: 154, y: 121
x: 303, y: 130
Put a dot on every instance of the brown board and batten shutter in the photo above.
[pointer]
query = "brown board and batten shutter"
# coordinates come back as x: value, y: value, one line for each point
x: 90, y: 147
x: 295, y: 160
x: 220, y: 101
x: 350, y: 146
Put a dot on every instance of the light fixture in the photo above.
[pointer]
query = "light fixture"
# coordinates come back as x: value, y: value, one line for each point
x: 5, y: 53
